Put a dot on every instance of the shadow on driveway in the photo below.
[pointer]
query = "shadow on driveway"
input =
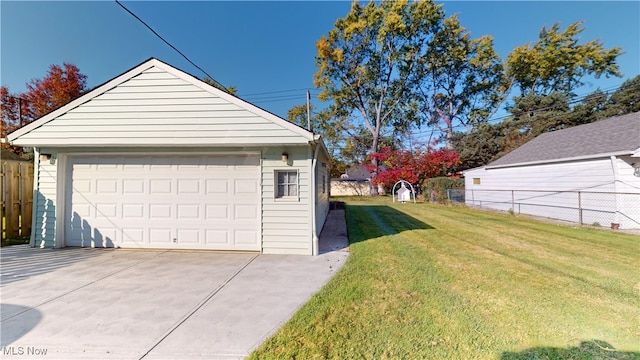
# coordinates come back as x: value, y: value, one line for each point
x: 21, y: 262
x: 26, y: 322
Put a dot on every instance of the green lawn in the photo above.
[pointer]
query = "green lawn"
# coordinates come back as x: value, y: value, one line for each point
x: 430, y: 281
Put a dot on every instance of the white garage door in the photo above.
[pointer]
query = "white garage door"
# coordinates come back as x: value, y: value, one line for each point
x: 179, y: 202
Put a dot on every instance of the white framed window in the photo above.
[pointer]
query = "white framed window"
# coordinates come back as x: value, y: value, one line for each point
x: 286, y: 184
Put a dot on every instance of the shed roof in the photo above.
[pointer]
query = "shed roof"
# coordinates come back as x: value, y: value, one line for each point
x: 6, y: 155
x: 618, y: 135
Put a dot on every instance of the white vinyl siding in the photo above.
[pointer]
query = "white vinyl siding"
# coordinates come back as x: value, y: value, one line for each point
x: 158, y: 111
x: 555, y: 188
x: 322, y: 184
x: 285, y: 224
x: 45, y: 202
x: 159, y: 108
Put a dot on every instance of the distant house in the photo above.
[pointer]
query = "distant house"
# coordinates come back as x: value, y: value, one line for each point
x: 7, y: 155
x: 356, y: 181
x: 156, y: 158
x: 588, y: 174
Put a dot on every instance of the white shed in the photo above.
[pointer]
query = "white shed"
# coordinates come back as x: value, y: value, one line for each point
x: 589, y: 174
x: 156, y: 158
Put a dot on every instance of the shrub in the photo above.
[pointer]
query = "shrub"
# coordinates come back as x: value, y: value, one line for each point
x: 435, y: 189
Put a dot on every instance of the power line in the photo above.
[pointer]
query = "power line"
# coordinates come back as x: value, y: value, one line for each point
x: 280, y: 91
x: 171, y: 46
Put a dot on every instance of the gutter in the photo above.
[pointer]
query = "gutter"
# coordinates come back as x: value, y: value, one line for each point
x: 616, y: 180
x: 551, y: 161
x: 314, y: 199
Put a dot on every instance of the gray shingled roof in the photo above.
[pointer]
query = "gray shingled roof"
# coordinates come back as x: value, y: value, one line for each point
x: 7, y: 155
x: 613, y: 135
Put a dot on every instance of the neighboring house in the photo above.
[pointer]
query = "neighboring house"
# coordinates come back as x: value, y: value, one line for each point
x: 8, y: 155
x: 156, y: 158
x: 587, y: 174
x: 356, y: 181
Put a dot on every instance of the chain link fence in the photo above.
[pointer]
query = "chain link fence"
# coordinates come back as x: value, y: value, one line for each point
x: 618, y: 210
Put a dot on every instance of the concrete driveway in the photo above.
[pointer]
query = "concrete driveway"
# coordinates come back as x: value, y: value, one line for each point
x: 131, y: 304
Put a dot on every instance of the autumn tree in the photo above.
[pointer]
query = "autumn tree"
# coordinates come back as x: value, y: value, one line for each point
x: 557, y: 62
x: 364, y: 66
x: 61, y: 85
x: 10, y: 108
x: 413, y: 167
x: 460, y: 80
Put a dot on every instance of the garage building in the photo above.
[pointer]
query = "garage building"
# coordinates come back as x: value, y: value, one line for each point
x: 156, y: 158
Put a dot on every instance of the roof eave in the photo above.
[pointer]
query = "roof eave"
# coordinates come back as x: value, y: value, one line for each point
x: 308, y: 135
x: 574, y: 158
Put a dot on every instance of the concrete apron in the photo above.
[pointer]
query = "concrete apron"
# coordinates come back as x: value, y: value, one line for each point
x: 133, y: 304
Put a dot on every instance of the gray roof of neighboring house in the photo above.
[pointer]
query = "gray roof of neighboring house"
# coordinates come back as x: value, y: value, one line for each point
x: 610, y: 136
x: 6, y: 155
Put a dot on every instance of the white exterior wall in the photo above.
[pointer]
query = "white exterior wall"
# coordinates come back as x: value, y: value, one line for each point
x: 157, y: 108
x: 144, y: 111
x: 595, y: 180
x: 341, y: 187
x: 45, y: 201
x: 322, y: 190
x: 286, y: 224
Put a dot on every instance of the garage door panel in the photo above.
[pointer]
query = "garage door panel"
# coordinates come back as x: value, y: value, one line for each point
x: 207, y: 202
x: 160, y: 212
x: 160, y: 186
x: 188, y: 186
x: 133, y: 211
x: 217, y: 237
x: 106, y: 186
x: 188, y: 236
x: 188, y: 211
x: 160, y: 235
x: 217, y: 186
x: 133, y: 236
x: 133, y: 186
x: 216, y: 212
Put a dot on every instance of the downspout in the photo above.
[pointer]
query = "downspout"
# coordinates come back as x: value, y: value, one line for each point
x: 616, y: 180
x: 314, y: 197
x: 34, y: 202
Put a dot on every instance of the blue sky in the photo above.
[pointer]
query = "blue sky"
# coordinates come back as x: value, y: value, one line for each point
x: 266, y: 49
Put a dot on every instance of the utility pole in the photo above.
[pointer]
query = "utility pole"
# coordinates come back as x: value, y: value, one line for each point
x: 20, y: 111
x: 308, y: 110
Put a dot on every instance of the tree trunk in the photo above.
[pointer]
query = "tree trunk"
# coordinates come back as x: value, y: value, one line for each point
x: 373, y: 190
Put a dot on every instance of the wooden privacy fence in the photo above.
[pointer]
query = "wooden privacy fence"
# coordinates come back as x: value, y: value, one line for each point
x: 17, y: 199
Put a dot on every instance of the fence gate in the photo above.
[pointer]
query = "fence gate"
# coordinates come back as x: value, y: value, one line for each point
x: 17, y: 199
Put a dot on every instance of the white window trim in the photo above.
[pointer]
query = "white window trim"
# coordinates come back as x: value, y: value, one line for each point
x: 275, y: 186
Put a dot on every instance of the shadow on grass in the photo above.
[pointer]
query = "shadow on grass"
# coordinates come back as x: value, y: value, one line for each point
x: 595, y: 349
x: 383, y: 220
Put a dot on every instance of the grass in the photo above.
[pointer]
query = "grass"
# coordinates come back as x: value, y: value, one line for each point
x: 429, y: 281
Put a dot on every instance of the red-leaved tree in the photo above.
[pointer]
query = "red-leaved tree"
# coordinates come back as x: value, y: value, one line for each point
x: 62, y: 85
x: 412, y: 167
